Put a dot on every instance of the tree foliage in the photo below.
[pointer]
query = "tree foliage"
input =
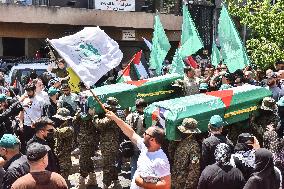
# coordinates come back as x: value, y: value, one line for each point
x: 265, y: 21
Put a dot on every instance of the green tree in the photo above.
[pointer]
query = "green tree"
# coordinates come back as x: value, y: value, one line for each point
x: 265, y: 21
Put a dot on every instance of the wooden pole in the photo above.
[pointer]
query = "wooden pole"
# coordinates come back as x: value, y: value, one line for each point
x: 98, y: 100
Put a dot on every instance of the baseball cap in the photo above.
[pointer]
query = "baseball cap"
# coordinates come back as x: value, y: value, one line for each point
x: 9, y: 141
x: 36, y: 151
x: 203, y: 86
x: 216, y: 121
x: 280, y: 101
x: 3, y: 97
x: 52, y: 91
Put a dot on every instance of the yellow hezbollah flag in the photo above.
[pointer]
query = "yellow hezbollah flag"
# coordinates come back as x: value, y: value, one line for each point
x: 74, y: 81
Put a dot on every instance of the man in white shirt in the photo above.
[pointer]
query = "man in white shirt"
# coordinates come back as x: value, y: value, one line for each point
x: 33, y: 109
x: 40, y: 90
x: 153, y: 168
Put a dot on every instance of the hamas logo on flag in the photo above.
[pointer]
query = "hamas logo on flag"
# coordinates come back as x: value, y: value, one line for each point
x: 89, y: 54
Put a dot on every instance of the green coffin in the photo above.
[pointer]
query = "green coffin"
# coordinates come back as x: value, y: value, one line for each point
x: 234, y: 105
x: 158, y: 88
x: 124, y: 93
x: 153, y: 89
x: 246, y: 99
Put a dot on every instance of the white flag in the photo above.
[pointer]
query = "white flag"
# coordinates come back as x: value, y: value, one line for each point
x: 91, y: 53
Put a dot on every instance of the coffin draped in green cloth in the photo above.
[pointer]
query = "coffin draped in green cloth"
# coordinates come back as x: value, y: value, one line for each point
x: 235, y: 105
x: 124, y: 93
x: 152, y: 89
x: 200, y: 106
x: 246, y: 100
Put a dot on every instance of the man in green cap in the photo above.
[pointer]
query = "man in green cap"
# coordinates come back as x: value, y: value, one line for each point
x: 215, y: 128
x: 51, y: 108
x: 16, y: 164
x: 186, y: 168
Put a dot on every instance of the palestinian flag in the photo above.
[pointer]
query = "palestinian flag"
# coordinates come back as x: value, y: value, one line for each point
x: 135, y: 70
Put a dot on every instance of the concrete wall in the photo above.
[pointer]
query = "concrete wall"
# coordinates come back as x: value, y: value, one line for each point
x: 22, y: 30
x: 86, y: 17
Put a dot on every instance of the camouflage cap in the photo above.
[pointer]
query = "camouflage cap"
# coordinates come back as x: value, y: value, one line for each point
x: 111, y: 102
x: 63, y: 114
x: 189, y: 125
x: 269, y: 104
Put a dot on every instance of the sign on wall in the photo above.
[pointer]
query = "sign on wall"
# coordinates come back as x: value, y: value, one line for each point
x: 128, y: 35
x: 116, y: 5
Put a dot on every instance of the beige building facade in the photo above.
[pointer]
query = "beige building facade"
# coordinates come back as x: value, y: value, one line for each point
x: 23, y: 29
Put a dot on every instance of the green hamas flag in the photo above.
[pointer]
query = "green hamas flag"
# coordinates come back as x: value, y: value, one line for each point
x: 232, y: 50
x: 215, y: 56
x: 177, y: 65
x: 160, y: 47
x: 190, y: 40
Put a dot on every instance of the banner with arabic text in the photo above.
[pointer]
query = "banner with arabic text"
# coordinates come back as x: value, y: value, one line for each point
x: 116, y: 5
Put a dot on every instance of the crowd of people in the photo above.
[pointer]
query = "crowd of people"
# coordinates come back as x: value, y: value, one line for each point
x: 41, y: 128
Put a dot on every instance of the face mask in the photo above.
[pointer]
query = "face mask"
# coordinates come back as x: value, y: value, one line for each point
x: 49, y: 136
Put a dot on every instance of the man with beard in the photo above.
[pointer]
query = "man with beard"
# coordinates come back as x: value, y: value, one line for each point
x: 153, y: 168
x: 8, y: 111
x: 33, y: 109
x: 68, y: 100
x: 44, y: 130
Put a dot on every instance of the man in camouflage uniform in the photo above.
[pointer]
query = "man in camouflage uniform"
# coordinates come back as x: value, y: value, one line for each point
x: 63, y: 136
x: 109, y: 144
x: 68, y: 100
x: 88, y: 142
x: 268, y: 116
x: 186, y: 168
x: 190, y: 83
x: 136, y: 121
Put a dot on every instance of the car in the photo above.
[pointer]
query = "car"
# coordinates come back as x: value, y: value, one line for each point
x: 20, y: 71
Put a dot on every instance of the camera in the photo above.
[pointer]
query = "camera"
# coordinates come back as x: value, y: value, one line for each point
x: 246, y: 138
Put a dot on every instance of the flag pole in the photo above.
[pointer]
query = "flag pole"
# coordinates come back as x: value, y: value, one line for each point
x: 124, y: 70
x: 88, y: 87
x: 98, y: 100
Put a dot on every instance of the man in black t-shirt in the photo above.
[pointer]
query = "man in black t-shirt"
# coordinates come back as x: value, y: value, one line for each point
x: 215, y: 127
